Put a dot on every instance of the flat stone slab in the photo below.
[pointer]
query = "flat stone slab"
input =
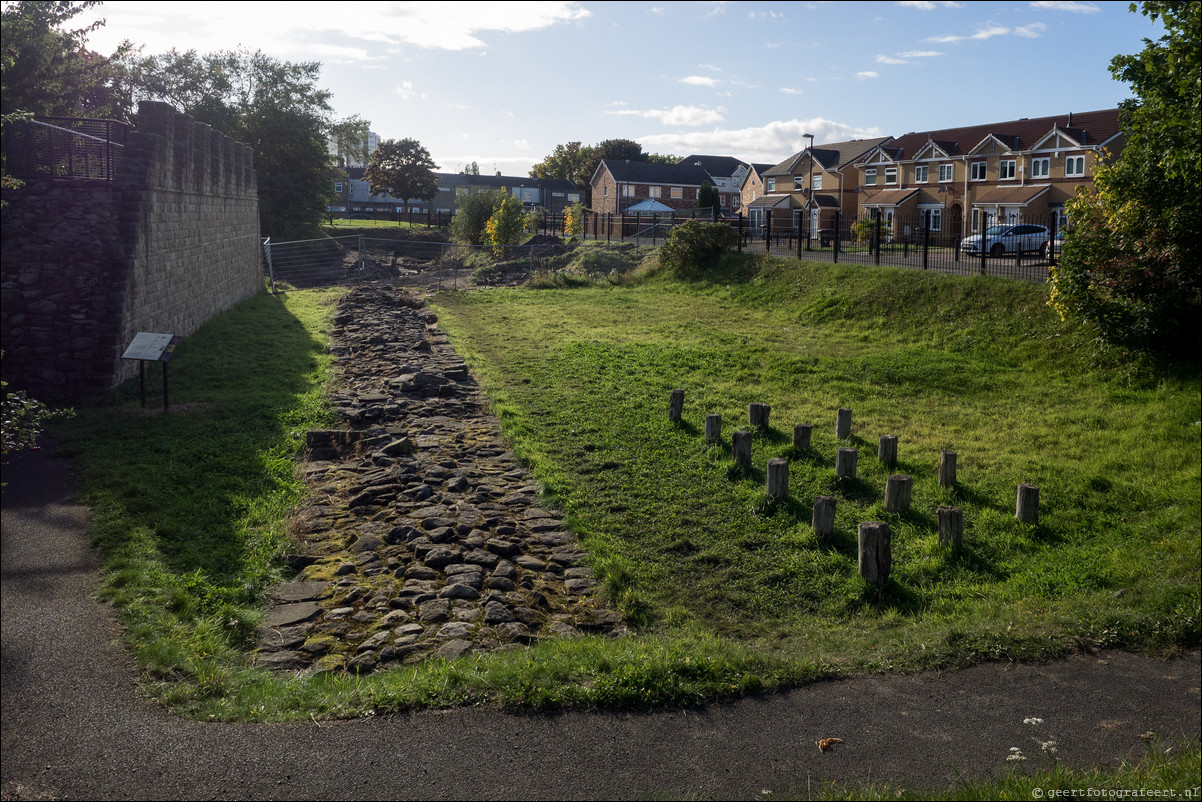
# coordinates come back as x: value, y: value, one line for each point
x: 300, y: 590
x: 286, y: 615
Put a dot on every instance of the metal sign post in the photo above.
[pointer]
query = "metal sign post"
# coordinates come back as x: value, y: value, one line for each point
x: 151, y: 347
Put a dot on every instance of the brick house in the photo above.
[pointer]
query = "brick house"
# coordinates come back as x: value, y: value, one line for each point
x: 958, y: 179
x: 811, y: 186
x: 619, y: 184
x: 752, y: 186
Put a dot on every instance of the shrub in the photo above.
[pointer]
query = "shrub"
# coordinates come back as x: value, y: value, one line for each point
x: 694, y: 246
x: 472, y: 214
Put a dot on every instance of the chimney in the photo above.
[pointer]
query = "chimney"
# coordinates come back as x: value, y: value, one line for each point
x: 498, y: 173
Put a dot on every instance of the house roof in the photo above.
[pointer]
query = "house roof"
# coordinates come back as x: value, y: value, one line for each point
x: 720, y: 166
x: 1009, y: 196
x: 776, y: 202
x: 888, y: 197
x: 831, y: 156
x: 652, y: 172
x: 1090, y: 128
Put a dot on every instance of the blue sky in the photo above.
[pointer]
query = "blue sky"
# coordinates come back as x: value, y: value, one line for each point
x: 502, y: 83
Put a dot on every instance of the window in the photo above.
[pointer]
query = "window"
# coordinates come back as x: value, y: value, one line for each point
x: 338, y: 187
x: 890, y: 175
x: 945, y: 172
x: 978, y: 171
x: 1005, y: 169
x: 976, y: 220
x: 920, y: 174
x: 870, y: 176
x: 799, y: 183
x: 772, y: 185
x: 932, y: 217
x: 573, y: 197
x: 655, y: 192
x: 1041, y: 168
x: 817, y: 182
x: 1074, y: 167
x: 677, y: 192
x: 627, y: 191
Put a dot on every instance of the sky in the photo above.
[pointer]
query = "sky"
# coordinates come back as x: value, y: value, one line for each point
x: 502, y: 83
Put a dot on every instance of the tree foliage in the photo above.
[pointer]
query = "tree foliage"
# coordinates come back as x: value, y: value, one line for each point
x: 402, y: 169
x: 504, y: 227
x: 350, y: 141
x: 274, y: 106
x: 577, y: 163
x: 472, y: 213
x: 708, y: 197
x: 573, y: 220
x: 46, y: 69
x: 1130, y: 263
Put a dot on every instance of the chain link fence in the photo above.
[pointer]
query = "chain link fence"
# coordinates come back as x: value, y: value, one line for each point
x: 64, y: 147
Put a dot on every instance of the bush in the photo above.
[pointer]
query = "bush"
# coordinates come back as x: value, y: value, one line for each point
x: 472, y: 214
x: 695, y: 246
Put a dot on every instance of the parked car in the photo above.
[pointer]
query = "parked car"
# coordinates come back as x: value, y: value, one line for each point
x: 1054, y: 245
x: 1003, y: 239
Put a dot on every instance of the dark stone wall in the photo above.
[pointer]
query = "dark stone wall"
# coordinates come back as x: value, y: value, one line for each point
x: 87, y: 264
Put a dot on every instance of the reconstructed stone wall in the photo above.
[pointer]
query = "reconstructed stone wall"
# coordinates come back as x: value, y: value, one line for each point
x: 87, y: 264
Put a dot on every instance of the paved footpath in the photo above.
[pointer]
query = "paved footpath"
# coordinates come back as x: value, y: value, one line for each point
x: 75, y: 727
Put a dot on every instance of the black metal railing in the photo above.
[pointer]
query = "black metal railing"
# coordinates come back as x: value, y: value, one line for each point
x: 64, y: 147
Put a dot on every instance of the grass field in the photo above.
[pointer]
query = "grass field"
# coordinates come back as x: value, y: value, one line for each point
x: 730, y: 594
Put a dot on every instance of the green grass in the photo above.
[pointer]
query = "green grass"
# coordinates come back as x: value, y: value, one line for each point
x: 731, y: 595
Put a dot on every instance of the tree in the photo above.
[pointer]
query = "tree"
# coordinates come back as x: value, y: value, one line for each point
x: 709, y: 198
x: 46, y: 70
x: 472, y: 213
x: 350, y: 140
x: 504, y: 227
x: 402, y: 169
x: 577, y: 163
x: 472, y: 169
x: 274, y: 106
x: 1130, y: 263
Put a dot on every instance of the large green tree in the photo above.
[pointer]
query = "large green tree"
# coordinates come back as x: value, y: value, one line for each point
x: 1131, y: 259
x: 402, y: 169
x: 577, y: 163
x: 274, y: 106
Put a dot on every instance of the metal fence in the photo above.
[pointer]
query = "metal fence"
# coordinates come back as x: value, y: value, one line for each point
x: 64, y: 147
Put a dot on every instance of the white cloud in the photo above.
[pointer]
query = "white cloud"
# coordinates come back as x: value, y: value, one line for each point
x: 1032, y: 31
x: 987, y: 31
x: 866, y: 74
x: 678, y: 115
x: 699, y: 80
x: 1067, y: 5
x: 769, y: 15
x: 921, y: 54
x: 719, y: 8
x: 406, y: 92
x: 790, y: 91
x: 770, y: 143
x: 927, y: 5
x: 890, y: 60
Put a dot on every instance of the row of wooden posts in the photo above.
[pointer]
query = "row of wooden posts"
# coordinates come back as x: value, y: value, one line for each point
x: 875, y: 551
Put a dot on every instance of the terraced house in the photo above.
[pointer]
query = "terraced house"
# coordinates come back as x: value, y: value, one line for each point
x: 956, y: 181
x: 809, y: 187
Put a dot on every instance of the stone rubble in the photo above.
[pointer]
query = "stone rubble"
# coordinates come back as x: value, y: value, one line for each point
x: 423, y: 536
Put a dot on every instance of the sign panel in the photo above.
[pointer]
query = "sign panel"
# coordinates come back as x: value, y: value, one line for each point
x: 152, y: 347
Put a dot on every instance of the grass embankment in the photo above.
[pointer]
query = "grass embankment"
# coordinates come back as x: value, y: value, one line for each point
x: 732, y: 595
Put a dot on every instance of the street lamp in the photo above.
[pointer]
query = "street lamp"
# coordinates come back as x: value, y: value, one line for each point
x: 810, y: 150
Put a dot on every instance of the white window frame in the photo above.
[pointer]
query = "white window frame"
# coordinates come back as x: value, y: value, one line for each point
x: 655, y: 192
x: 338, y: 187
x: 870, y: 177
x: 1069, y: 162
x: 799, y: 183
x: 1041, y: 168
x: 921, y: 173
x: 817, y: 180
x: 890, y: 176
x: 978, y: 171
x: 947, y: 173
x: 1007, y: 169
x: 628, y: 190
x: 770, y: 185
x: 936, y: 213
x: 676, y: 193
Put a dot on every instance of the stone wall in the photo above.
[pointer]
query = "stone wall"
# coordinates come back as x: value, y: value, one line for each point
x: 87, y: 264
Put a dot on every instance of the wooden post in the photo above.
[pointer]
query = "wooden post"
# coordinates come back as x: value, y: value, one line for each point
x: 757, y: 415
x: 801, y: 436
x: 876, y: 552
x: 898, y: 489
x: 845, y: 463
x: 843, y: 424
x: 713, y: 428
x: 676, y: 406
x: 886, y: 450
x: 778, y: 478
x: 824, y: 518
x: 947, y: 468
x: 740, y: 445
x: 1027, y: 508
x: 951, y: 526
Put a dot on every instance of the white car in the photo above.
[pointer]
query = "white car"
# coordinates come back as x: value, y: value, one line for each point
x: 1004, y: 239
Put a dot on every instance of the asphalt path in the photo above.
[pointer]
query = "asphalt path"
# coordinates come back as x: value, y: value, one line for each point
x: 76, y: 727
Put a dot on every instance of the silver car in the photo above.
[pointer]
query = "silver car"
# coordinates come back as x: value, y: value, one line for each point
x: 1013, y: 238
